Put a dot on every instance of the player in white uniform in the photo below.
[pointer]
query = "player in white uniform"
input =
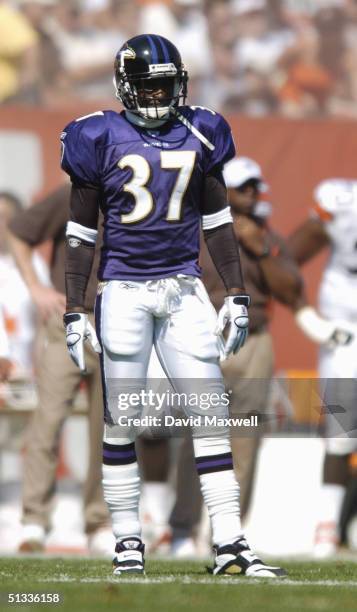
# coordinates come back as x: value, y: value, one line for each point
x: 333, y: 224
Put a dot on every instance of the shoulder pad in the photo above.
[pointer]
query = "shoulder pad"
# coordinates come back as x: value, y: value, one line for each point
x: 217, y: 131
x: 88, y: 126
x: 79, y: 140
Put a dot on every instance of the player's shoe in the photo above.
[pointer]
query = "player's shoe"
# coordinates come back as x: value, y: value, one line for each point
x: 326, y: 541
x: 237, y: 558
x: 129, y: 557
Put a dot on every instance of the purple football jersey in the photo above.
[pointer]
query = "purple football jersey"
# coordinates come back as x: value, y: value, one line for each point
x: 151, y: 185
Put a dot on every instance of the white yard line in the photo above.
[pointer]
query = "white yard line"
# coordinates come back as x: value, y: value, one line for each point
x: 223, y: 581
x: 172, y: 579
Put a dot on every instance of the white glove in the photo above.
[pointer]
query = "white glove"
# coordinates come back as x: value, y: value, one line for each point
x: 328, y: 333
x: 79, y: 329
x: 234, y: 312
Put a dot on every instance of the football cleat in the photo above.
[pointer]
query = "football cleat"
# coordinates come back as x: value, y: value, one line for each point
x: 129, y: 557
x: 237, y: 558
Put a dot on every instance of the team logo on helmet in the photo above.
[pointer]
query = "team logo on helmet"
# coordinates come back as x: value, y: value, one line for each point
x: 128, y: 53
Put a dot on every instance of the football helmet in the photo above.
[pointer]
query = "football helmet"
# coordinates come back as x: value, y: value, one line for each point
x: 149, y: 76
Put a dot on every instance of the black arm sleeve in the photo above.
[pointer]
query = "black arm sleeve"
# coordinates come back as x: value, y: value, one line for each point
x: 221, y: 241
x: 214, y: 192
x: 84, y: 207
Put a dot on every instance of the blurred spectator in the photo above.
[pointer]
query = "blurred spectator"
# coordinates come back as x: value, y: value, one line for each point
x: 51, y: 78
x: 317, y: 74
x: 192, y: 34
x: 263, y: 38
x: 15, y: 301
x: 19, y: 64
x: 219, y: 80
x: 296, y: 57
x: 308, y: 82
x: 58, y: 379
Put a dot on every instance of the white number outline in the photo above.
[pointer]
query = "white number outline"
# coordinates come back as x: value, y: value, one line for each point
x: 144, y: 202
x: 183, y: 161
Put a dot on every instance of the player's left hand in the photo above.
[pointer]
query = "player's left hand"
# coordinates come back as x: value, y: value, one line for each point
x: 78, y: 329
x: 235, y: 313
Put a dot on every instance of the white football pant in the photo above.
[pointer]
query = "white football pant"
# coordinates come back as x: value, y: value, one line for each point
x: 176, y: 316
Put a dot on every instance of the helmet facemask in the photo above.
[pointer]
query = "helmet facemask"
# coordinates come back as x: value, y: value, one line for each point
x: 153, y: 95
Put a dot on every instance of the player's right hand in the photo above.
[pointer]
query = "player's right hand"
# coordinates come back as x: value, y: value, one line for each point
x: 78, y: 329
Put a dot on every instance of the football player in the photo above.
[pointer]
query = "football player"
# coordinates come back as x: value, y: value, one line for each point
x: 155, y: 170
x: 333, y: 225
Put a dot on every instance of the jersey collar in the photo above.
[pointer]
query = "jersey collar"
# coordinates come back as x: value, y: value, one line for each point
x: 144, y: 123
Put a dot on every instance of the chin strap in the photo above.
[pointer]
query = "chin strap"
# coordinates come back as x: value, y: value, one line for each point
x: 192, y: 129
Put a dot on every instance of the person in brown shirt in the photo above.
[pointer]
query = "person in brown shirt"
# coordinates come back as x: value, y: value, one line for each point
x: 58, y: 380
x: 269, y: 273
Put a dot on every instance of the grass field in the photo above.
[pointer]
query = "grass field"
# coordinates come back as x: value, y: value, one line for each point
x: 87, y: 585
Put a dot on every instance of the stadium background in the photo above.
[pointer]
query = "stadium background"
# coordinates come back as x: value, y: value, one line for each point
x: 297, y: 118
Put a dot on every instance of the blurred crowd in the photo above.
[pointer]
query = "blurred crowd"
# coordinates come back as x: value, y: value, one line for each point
x: 296, y: 58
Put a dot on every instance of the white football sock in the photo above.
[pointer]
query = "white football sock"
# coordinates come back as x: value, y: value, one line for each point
x: 121, y: 485
x: 219, y: 487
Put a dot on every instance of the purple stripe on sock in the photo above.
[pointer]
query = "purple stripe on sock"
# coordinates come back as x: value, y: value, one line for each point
x: 118, y: 454
x: 216, y: 463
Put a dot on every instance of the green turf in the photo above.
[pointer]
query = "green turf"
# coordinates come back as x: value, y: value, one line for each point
x: 88, y: 585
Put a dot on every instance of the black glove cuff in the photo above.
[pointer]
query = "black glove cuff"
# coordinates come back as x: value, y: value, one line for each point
x: 70, y: 317
x: 242, y: 300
